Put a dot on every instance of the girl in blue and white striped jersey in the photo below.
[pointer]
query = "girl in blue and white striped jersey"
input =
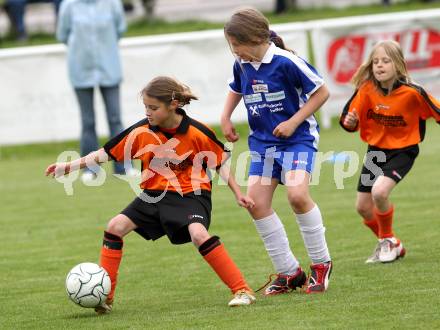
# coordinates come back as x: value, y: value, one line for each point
x: 281, y: 92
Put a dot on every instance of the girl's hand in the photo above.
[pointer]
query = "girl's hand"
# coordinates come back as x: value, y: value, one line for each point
x: 284, y: 129
x: 228, y: 130
x: 245, y: 201
x: 351, y: 119
x: 58, y: 169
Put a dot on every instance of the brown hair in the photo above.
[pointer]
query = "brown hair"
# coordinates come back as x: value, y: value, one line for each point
x: 393, y: 50
x: 167, y: 89
x: 250, y: 27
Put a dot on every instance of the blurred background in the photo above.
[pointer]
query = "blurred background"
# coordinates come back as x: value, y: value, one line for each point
x: 184, y: 39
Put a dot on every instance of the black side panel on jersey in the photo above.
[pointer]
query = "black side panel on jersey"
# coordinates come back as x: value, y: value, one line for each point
x: 345, y: 112
x: 114, y: 141
x: 205, y: 130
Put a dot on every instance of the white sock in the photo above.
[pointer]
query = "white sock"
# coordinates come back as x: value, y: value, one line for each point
x: 312, y: 231
x: 275, y: 240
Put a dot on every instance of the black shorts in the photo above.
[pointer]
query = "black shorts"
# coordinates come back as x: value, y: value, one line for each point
x: 170, y: 215
x: 392, y: 163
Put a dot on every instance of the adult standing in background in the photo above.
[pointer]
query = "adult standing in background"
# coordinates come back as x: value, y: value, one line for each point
x: 91, y: 30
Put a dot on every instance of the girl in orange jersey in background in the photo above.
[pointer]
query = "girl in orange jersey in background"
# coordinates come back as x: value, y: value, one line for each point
x: 390, y: 112
x: 175, y: 151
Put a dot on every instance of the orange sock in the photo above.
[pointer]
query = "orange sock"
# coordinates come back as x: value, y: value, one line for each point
x: 218, y: 258
x: 385, y: 222
x: 111, y: 255
x: 373, y: 225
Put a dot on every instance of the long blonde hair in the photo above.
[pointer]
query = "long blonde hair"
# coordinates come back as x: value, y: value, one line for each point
x: 392, y: 48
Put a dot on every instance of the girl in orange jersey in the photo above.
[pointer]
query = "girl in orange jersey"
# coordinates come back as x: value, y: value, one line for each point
x: 175, y: 151
x: 390, y: 112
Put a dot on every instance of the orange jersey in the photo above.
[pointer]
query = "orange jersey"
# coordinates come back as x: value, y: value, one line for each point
x: 174, y: 162
x: 392, y: 121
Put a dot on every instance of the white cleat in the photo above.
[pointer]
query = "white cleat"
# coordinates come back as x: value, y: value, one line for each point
x: 242, y: 298
x: 391, y: 249
x: 374, y: 258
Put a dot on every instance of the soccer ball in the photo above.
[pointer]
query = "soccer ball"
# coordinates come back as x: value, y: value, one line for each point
x: 88, y: 285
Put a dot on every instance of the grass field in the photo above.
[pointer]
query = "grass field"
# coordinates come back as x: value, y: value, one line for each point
x: 45, y: 233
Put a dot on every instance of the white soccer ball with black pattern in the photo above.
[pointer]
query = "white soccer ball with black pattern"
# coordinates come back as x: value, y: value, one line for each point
x: 88, y: 285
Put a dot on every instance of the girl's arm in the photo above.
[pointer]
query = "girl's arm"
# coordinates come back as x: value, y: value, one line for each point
x: 228, y: 129
x: 316, y: 100
x: 59, y: 169
x: 242, y: 200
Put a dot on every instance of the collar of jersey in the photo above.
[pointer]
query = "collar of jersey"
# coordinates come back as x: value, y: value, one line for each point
x: 396, y: 85
x: 267, y: 58
x: 184, y: 124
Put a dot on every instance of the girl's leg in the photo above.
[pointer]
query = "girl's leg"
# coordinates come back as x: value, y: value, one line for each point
x: 309, y: 219
x: 365, y: 208
x: 383, y: 209
x: 308, y: 216
x: 391, y: 248
x: 215, y: 254
x: 111, y: 252
x: 272, y: 232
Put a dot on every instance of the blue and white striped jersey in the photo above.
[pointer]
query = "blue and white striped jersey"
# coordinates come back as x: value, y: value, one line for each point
x: 274, y: 90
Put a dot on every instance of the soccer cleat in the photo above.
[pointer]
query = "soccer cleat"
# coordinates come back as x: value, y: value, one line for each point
x: 285, y: 283
x: 391, y: 249
x: 374, y: 258
x: 105, y: 307
x: 319, y: 277
x: 242, y: 298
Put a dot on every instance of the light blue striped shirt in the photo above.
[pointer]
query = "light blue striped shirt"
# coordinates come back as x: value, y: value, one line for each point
x: 91, y: 29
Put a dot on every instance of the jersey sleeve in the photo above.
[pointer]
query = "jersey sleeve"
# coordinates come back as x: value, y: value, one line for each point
x: 354, y: 103
x: 235, y: 81
x: 303, y: 76
x: 126, y: 144
x: 430, y: 106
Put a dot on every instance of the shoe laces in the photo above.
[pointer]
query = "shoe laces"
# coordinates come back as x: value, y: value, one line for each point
x: 386, y: 245
x: 277, y: 281
x: 242, y: 294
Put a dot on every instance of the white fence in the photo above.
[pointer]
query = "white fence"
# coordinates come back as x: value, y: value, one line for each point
x: 37, y: 102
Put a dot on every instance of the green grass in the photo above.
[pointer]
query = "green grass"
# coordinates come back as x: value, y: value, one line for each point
x: 157, y: 26
x: 161, y: 286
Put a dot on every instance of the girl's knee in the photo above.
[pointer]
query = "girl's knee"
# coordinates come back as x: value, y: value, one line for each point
x: 364, y: 210
x: 118, y: 227
x: 198, y: 233
x: 379, y: 195
x: 298, y: 199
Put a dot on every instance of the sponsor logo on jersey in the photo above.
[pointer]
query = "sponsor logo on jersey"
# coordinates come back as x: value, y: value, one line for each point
x: 270, y: 97
x: 382, y: 107
x: 254, y: 110
x: 260, y: 88
x: 273, y: 107
x: 390, y: 121
x: 253, y: 98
